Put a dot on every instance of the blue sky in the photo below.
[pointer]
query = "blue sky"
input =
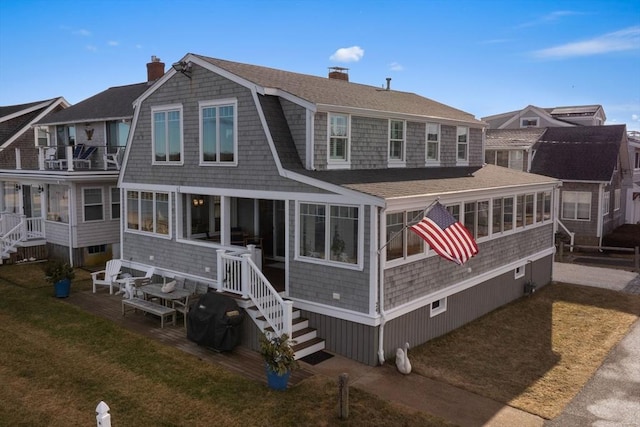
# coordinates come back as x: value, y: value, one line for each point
x: 483, y: 57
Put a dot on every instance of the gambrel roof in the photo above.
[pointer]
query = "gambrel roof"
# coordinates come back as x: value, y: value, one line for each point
x: 327, y: 92
x: 112, y: 104
x: 583, y: 153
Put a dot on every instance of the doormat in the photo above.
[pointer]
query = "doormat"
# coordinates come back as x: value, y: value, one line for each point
x: 317, y: 357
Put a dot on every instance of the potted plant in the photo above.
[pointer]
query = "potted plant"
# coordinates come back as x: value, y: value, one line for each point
x: 59, y: 274
x: 279, y: 359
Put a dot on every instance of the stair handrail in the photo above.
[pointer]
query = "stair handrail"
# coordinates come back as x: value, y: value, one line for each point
x: 11, y: 238
x: 239, y: 274
x: 571, y: 234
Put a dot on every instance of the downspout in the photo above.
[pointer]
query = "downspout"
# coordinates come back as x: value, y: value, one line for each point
x: 71, y: 208
x: 383, y: 318
x: 600, y: 223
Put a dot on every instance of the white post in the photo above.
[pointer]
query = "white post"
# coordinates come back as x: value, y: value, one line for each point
x: 103, y: 417
x: 287, y: 318
x: 69, y: 157
x: 244, y: 276
x: 219, y: 270
x: 18, y: 159
x: 41, y: 158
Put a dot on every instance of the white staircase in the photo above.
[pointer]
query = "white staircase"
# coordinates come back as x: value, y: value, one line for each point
x: 306, y: 339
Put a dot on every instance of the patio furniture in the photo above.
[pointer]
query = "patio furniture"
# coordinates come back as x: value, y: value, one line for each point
x: 84, y: 158
x: 108, y: 276
x: 182, y: 306
x: 113, y: 158
x: 123, y: 282
x: 149, y: 307
x: 154, y: 290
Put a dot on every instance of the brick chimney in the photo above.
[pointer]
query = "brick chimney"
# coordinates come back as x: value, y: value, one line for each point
x: 155, y: 69
x: 339, y: 73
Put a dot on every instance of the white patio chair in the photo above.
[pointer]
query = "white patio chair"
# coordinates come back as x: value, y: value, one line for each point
x: 108, y: 276
x: 133, y: 279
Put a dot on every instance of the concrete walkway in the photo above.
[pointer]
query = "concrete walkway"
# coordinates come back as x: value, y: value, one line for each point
x: 611, y: 397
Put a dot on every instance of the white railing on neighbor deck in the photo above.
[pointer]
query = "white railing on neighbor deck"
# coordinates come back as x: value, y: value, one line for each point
x: 571, y: 234
x: 35, y: 228
x: 239, y: 274
x: 13, y: 232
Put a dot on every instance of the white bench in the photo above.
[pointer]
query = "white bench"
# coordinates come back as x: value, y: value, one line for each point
x: 150, y: 307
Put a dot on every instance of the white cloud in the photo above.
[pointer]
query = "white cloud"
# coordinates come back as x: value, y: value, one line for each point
x: 91, y: 48
x: 348, y: 54
x: 635, y: 117
x: 394, y: 66
x: 113, y: 43
x: 625, y: 39
x: 550, y: 17
x: 82, y: 32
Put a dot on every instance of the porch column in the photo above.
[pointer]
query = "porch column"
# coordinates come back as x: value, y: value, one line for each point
x: 287, y: 318
x: 244, y: 275
x: 18, y: 160
x: 219, y: 270
x: 69, y: 153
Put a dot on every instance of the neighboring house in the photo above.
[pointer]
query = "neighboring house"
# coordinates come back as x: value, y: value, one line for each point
x: 593, y: 163
x: 61, y: 181
x: 532, y: 116
x: 20, y: 199
x: 633, y: 194
x: 511, y: 148
x: 293, y: 192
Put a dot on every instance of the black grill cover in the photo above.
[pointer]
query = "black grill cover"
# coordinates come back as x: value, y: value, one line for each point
x: 215, y: 322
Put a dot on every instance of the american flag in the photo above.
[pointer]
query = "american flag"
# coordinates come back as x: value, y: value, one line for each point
x: 446, y: 236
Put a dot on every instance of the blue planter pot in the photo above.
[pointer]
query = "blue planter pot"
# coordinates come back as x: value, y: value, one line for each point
x: 62, y: 288
x: 277, y: 382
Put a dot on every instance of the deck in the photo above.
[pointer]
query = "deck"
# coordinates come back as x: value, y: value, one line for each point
x: 241, y: 360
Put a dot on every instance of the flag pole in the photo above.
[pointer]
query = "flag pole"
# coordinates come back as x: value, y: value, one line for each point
x: 414, y: 220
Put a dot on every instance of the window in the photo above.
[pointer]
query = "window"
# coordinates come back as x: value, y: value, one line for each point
x: 148, y: 212
x: 396, y: 141
x: 462, y: 140
x: 528, y: 209
x: 543, y: 206
x: 476, y: 218
x: 58, y: 203
x: 502, y: 214
x: 616, y: 200
x: 606, y: 201
x: 65, y: 135
x: 203, y: 214
x: 402, y: 241
x: 117, y: 134
x: 329, y: 232
x: 438, y: 306
x: 42, y: 137
x: 92, y: 204
x: 433, y: 143
x: 513, y: 159
x: 519, y: 272
x: 529, y: 122
x: 637, y: 160
x: 338, y: 138
x: 97, y: 249
x: 115, y: 202
x: 576, y: 205
x: 167, y: 134
x: 218, y: 132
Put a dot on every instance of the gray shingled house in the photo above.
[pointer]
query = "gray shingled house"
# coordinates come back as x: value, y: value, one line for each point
x: 592, y: 162
x: 293, y: 192
x: 61, y: 183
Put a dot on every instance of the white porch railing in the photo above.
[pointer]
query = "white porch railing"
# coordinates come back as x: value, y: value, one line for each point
x: 239, y: 274
x: 16, y: 228
x: 571, y: 234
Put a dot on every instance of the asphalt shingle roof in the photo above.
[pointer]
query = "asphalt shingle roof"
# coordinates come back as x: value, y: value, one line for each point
x: 512, y: 138
x: 326, y: 91
x: 583, y: 153
x: 113, y: 103
x: 8, y: 128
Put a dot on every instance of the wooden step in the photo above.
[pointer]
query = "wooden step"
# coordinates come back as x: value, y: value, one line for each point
x: 304, y: 335
x: 308, y: 347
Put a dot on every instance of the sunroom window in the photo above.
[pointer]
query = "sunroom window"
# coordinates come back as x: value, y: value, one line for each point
x: 329, y: 232
x: 148, y: 212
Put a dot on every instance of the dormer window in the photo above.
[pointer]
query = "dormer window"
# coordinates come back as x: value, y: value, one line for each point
x: 433, y: 143
x: 529, y: 122
x: 462, y: 139
x: 338, y: 149
x: 218, y: 123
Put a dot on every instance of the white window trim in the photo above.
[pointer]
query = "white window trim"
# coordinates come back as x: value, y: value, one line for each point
x: 562, y: 206
x: 432, y: 162
x: 167, y: 108
x: 536, y: 119
x: 465, y: 161
x: 111, y: 203
x: 149, y: 233
x: 327, y: 261
x: 616, y: 199
x: 440, y: 309
x: 402, y: 161
x: 84, y: 204
x: 519, y: 271
x: 606, y: 202
x: 409, y: 258
x: 219, y: 103
x: 336, y: 163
